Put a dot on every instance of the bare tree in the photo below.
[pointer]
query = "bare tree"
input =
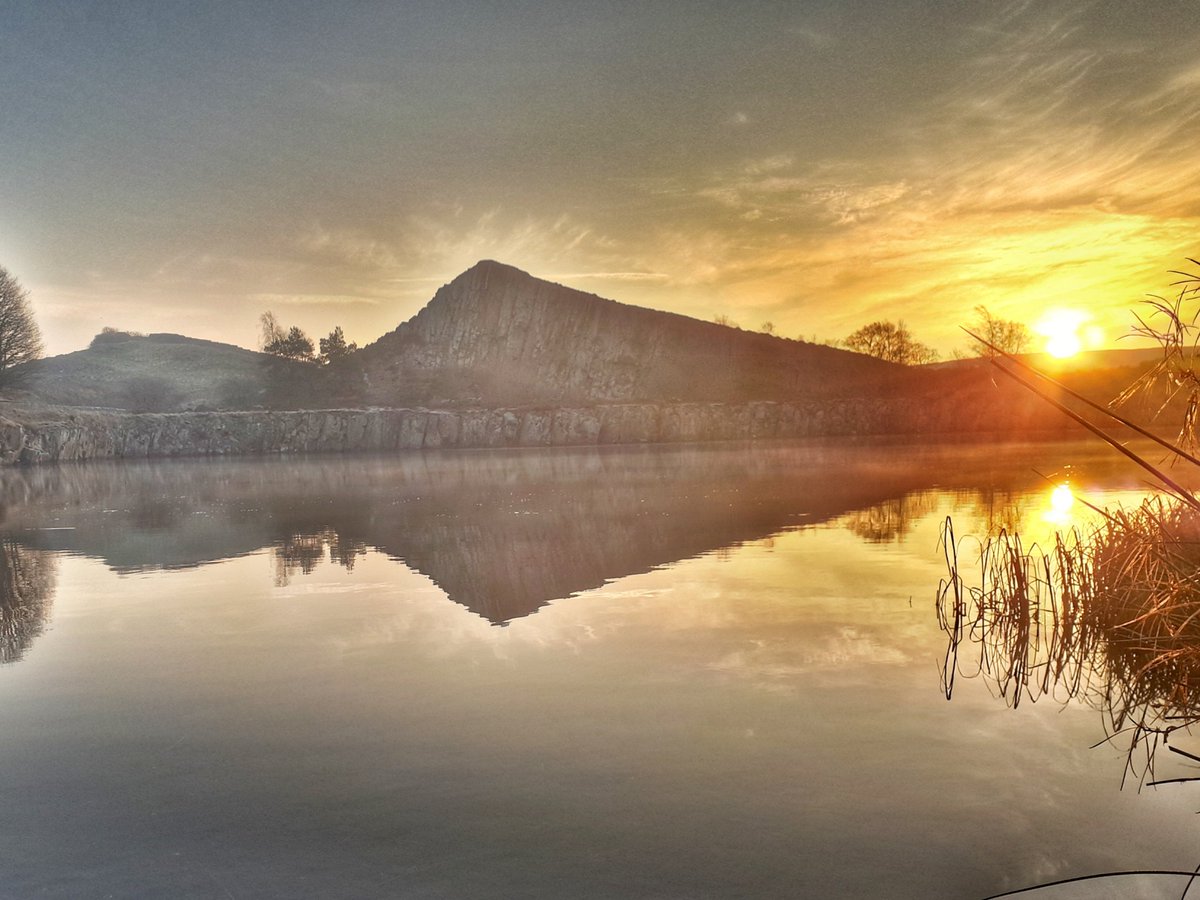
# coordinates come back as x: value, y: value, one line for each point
x: 270, y: 331
x: 891, y: 341
x: 20, y: 338
x: 1005, y: 334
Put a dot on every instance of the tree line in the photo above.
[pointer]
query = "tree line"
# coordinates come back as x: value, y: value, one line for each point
x: 892, y: 341
x: 293, y: 343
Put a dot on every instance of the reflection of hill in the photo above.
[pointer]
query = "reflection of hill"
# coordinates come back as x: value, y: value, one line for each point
x: 26, y: 593
x: 501, y: 532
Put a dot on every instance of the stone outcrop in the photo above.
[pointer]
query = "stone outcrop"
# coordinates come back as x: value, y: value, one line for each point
x: 96, y: 435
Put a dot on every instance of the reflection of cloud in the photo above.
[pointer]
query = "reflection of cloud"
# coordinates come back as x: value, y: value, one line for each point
x: 773, y: 664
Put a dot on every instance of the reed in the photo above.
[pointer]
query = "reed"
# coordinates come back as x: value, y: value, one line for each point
x: 1109, y: 615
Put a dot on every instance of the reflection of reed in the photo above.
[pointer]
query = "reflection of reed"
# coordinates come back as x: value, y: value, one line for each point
x: 27, y: 579
x: 1111, y: 617
x: 891, y: 520
x: 995, y: 509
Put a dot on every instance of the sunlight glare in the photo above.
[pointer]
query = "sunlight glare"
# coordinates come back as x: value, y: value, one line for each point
x: 1059, y: 508
x: 1061, y: 328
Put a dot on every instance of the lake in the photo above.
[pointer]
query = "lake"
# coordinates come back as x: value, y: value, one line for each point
x: 666, y: 672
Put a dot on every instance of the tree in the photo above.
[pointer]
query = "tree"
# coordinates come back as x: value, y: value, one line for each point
x: 335, y: 347
x: 1005, y: 334
x: 891, y: 341
x: 270, y: 331
x: 767, y: 327
x: 20, y: 338
x: 292, y: 344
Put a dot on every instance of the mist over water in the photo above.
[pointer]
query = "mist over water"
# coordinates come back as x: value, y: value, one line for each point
x: 645, y: 672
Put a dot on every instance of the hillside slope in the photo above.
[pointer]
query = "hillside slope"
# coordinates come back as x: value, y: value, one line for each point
x: 165, y: 372
x: 496, y: 334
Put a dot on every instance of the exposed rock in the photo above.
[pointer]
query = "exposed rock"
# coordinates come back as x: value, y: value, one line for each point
x: 95, y: 435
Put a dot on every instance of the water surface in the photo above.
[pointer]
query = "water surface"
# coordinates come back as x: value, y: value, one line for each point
x: 643, y: 672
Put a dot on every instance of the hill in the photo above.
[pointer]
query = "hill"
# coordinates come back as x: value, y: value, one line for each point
x: 164, y: 372
x: 496, y: 334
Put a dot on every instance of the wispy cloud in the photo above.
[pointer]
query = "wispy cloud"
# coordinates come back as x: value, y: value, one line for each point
x: 311, y: 300
x: 817, y: 40
x: 352, y: 246
x: 1056, y: 168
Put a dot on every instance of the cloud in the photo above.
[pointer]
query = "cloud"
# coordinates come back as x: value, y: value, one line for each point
x: 817, y: 40
x: 352, y: 246
x: 1056, y: 167
x: 610, y: 276
x: 311, y: 300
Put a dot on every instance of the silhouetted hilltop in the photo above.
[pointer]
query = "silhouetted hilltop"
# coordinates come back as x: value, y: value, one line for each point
x: 496, y: 334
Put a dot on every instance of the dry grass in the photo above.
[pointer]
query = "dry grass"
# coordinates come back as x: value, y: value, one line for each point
x: 1174, y: 377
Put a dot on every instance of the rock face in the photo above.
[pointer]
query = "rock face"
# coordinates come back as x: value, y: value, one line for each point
x: 93, y: 435
x: 498, y: 336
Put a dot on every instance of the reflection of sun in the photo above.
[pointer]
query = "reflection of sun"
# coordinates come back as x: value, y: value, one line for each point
x: 1061, y: 499
x: 1061, y: 327
x: 1059, y: 507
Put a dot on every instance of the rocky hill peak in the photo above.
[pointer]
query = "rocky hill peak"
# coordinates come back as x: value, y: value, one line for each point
x: 496, y: 334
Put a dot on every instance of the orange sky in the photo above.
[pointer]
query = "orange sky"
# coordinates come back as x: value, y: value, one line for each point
x: 819, y: 165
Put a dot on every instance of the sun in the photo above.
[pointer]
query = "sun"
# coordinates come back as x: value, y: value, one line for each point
x: 1061, y: 329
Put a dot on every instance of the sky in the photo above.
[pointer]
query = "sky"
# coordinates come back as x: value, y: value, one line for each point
x: 184, y: 167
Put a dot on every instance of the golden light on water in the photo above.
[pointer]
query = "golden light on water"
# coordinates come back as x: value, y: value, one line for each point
x: 1058, y: 506
x: 1061, y: 499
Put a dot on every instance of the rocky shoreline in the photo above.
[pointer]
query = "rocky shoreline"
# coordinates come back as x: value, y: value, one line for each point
x: 87, y: 434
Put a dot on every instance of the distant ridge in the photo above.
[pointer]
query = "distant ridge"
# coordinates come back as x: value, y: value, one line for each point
x: 496, y: 334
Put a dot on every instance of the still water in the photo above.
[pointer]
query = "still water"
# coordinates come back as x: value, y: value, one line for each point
x: 664, y: 672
